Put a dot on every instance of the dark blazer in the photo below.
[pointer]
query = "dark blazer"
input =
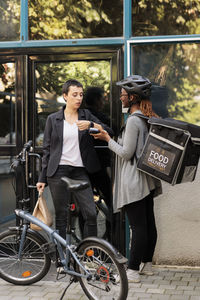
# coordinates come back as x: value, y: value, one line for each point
x: 53, y: 143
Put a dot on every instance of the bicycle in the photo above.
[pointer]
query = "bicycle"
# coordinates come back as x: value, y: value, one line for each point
x: 25, y: 254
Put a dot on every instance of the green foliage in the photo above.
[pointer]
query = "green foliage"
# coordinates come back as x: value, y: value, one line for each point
x: 9, y: 20
x: 183, y: 82
x: 61, y: 19
x: 50, y: 77
x: 165, y: 17
x: 175, y: 68
x: 7, y: 100
x: 7, y: 77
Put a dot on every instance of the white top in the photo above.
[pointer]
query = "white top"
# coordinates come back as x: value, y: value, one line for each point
x: 70, y: 152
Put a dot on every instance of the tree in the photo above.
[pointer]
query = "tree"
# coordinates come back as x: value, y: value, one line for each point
x: 174, y: 67
x: 61, y: 19
x: 51, y: 76
x: 165, y: 17
x: 9, y: 20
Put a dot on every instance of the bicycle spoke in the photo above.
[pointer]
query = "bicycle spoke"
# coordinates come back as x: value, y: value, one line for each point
x: 29, y: 267
x: 108, y: 277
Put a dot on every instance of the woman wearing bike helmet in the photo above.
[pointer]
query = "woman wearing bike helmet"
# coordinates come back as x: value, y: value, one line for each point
x: 133, y: 189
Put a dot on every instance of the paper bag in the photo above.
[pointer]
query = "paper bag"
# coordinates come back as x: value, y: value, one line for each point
x: 42, y: 213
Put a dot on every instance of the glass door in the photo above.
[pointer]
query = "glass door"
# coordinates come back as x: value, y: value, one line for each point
x: 96, y: 71
x: 10, y: 130
x: 48, y: 74
x: 31, y: 89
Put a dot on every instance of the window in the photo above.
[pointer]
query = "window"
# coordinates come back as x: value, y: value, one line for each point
x: 166, y: 17
x: 49, y: 80
x: 174, y: 70
x: 75, y: 19
x: 7, y: 190
x: 9, y: 20
x: 7, y: 103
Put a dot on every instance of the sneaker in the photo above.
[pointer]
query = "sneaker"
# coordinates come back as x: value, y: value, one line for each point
x: 133, y: 276
x: 146, y: 269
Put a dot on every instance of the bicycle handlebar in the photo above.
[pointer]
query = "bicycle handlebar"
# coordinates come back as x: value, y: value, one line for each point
x: 21, y: 166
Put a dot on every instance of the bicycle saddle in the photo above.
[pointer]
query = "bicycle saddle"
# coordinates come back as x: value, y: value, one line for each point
x: 75, y: 185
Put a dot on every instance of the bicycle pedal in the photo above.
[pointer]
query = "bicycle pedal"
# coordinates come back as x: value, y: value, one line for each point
x: 61, y: 270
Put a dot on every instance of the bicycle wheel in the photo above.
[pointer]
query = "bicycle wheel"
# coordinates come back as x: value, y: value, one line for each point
x: 31, y: 267
x: 109, y: 280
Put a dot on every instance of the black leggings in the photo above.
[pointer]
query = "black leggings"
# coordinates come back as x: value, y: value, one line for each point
x: 144, y: 234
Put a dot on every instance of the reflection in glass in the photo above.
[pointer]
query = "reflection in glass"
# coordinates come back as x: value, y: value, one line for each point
x: 174, y: 70
x: 9, y: 20
x: 49, y: 80
x: 75, y: 19
x: 7, y: 193
x: 168, y: 17
x: 7, y: 103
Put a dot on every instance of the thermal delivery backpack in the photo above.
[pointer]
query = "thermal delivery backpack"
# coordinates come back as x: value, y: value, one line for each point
x: 171, y: 152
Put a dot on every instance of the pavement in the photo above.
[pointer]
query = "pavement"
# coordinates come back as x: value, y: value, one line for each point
x: 174, y: 283
x: 168, y: 282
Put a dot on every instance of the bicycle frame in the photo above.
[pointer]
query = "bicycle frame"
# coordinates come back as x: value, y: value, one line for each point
x: 68, y: 253
x: 55, y: 239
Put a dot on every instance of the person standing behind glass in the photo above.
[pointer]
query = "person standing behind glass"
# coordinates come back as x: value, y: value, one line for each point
x: 94, y: 101
x: 133, y: 189
x: 68, y: 150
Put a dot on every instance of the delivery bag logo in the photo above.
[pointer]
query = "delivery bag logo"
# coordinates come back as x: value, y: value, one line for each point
x: 159, y: 159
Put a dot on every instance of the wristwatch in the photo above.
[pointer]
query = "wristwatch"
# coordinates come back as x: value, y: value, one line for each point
x: 91, y: 124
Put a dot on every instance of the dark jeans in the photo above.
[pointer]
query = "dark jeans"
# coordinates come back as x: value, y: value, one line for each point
x: 85, y: 200
x: 144, y: 234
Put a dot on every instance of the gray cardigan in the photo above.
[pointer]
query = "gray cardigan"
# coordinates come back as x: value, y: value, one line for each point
x: 130, y: 184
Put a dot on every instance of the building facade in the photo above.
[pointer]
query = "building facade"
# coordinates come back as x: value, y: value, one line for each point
x: 44, y: 43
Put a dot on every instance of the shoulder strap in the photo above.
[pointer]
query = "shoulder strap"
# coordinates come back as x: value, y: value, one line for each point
x: 145, y: 118
x: 141, y: 116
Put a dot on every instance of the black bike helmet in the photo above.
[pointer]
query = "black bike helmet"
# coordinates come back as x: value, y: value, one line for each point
x: 136, y: 84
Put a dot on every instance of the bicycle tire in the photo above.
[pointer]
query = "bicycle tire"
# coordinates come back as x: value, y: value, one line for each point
x: 109, y: 280
x: 33, y: 265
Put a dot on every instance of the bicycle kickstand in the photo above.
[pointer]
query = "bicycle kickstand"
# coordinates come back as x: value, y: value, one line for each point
x: 63, y: 294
